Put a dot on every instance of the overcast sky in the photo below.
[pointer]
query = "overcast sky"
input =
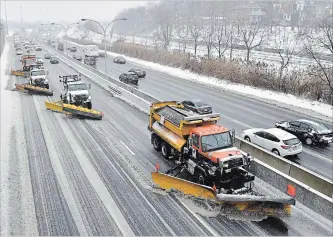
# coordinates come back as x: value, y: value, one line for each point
x: 55, y: 11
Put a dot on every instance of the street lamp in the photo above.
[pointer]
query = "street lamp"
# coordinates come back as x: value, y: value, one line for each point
x: 104, y: 33
x: 65, y: 29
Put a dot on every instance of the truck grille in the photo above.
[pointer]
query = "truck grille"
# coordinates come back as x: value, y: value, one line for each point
x: 234, y: 162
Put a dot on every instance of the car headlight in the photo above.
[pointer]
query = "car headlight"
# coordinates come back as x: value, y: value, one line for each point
x: 46, y: 81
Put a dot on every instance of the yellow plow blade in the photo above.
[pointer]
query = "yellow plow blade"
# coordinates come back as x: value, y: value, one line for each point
x: 54, y: 106
x: 168, y: 182
x: 246, y: 203
x: 17, y: 73
x: 19, y: 87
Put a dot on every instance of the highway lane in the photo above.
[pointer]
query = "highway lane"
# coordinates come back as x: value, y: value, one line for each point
x: 119, y: 149
x: 239, y: 112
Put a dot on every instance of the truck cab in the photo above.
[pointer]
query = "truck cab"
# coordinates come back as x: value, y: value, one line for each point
x: 38, y: 78
x: 76, y: 93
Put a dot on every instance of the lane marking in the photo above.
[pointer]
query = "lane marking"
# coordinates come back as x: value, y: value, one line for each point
x: 200, y: 219
x: 60, y: 174
x: 306, y: 150
x: 127, y: 148
x: 95, y: 180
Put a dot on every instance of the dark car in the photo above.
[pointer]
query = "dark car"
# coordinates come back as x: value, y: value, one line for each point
x: 138, y: 72
x: 129, y: 78
x: 54, y: 60
x: 120, y: 60
x: 39, y: 48
x: 47, y: 56
x: 197, y: 106
x: 77, y: 57
x: 309, y: 132
x: 73, y: 49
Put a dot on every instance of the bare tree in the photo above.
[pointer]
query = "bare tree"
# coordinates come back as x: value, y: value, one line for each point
x: 163, y: 15
x: 285, y: 48
x: 252, y: 35
x: 321, y: 41
x: 194, y: 22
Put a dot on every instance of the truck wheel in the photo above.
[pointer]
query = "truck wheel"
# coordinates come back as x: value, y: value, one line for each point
x: 89, y: 105
x: 156, y: 143
x: 247, y: 139
x: 47, y: 86
x: 165, y: 150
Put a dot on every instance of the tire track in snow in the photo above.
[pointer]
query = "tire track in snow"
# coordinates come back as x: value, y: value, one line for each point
x: 52, y: 212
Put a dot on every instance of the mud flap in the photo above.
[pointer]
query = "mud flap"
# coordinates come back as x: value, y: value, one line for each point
x: 277, y: 207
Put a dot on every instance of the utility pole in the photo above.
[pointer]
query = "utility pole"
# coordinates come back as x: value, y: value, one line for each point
x: 6, y: 18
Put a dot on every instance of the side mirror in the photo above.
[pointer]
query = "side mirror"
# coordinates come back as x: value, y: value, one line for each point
x: 60, y: 80
x: 60, y: 96
x: 89, y: 86
x: 60, y: 76
x: 233, y: 134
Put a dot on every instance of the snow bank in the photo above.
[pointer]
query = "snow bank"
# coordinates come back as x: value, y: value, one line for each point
x: 288, y: 99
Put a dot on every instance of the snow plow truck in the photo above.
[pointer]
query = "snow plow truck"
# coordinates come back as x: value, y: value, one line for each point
x: 76, y: 100
x: 214, y: 169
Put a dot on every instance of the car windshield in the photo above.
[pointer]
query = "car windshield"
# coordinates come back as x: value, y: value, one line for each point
x: 54, y: 58
x: 37, y: 73
x: 216, y: 141
x: 77, y: 87
x: 200, y: 103
x: 319, y: 127
x: 291, y: 142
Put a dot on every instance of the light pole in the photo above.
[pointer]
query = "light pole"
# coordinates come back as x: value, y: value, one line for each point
x: 104, y: 33
x: 6, y: 18
x: 65, y: 29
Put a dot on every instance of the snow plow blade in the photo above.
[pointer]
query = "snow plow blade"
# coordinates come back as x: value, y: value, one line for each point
x: 74, y: 110
x: 277, y: 207
x: 17, y: 73
x: 54, y: 106
x: 34, y: 89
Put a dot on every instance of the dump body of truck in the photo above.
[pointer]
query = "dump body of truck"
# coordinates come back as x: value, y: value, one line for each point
x: 174, y: 124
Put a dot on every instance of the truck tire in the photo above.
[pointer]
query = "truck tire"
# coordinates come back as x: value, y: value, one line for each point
x: 156, y: 141
x: 47, y: 86
x: 89, y: 105
x: 165, y: 150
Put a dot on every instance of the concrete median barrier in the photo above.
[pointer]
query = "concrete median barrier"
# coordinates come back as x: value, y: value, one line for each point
x: 311, y: 179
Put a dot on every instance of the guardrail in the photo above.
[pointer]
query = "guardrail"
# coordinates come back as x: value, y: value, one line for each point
x: 313, y: 191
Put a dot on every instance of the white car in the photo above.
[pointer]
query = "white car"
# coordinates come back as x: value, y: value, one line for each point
x: 275, y: 140
x: 19, y: 52
x: 39, y: 60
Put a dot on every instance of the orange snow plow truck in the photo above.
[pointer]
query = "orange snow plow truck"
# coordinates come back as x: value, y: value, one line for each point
x: 207, y: 165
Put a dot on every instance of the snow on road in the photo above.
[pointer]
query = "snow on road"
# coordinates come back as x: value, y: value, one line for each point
x: 17, y: 209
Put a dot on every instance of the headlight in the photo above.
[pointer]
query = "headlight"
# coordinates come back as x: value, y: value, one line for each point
x: 89, y: 98
x: 212, y: 170
x: 46, y: 80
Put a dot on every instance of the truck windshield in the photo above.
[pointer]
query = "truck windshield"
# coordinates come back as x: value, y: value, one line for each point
x: 37, y: 73
x: 216, y: 141
x: 77, y: 87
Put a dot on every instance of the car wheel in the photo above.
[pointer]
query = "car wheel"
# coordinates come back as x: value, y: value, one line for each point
x: 156, y: 143
x: 308, y: 141
x: 246, y: 138
x: 165, y: 150
x: 276, y: 152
